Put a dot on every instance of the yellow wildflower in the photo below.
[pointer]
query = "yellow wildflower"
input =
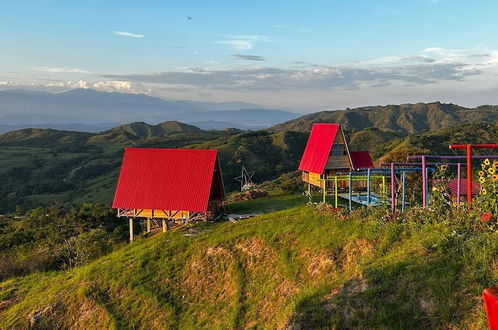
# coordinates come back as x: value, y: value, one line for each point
x: 481, y: 173
x: 491, y: 170
x: 487, y: 162
x: 482, y: 180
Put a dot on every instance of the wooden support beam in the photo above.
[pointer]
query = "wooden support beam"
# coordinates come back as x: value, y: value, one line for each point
x: 131, y: 229
x: 148, y: 225
x: 165, y: 225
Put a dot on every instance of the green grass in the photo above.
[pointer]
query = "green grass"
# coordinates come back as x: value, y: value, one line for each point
x: 267, y: 204
x: 295, y: 267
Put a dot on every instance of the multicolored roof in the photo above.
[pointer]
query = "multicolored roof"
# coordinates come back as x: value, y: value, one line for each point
x: 168, y: 179
x: 318, y: 148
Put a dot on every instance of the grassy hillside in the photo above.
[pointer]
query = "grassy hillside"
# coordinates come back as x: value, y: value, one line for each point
x: 294, y: 269
x: 403, y: 118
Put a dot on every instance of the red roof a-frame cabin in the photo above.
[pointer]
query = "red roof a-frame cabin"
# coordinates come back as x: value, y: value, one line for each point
x: 169, y: 184
x: 327, y: 153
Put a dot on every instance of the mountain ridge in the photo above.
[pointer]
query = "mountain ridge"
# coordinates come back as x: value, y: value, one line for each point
x: 403, y: 118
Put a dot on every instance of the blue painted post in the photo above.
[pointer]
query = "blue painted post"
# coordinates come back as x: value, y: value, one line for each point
x: 368, y: 187
x: 427, y: 185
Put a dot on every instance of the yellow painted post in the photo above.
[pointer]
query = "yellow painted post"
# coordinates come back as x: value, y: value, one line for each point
x: 336, y: 192
x: 131, y: 229
x: 324, y: 192
x: 148, y: 225
x: 164, y: 225
x: 383, y: 185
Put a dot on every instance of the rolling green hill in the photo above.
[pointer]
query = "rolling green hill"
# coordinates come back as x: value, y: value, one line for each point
x: 39, y: 166
x: 293, y: 269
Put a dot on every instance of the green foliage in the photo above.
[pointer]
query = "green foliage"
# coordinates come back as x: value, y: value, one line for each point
x: 57, y: 238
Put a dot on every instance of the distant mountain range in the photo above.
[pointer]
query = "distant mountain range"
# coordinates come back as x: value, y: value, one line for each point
x: 94, y: 111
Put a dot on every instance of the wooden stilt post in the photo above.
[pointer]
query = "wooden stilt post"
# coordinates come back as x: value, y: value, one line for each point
x: 324, y: 192
x: 148, y: 225
x: 131, y: 229
x: 165, y: 228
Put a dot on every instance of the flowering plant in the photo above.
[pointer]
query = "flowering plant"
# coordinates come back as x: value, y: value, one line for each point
x: 487, y: 200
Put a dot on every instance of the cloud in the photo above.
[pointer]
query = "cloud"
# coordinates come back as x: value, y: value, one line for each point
x: 243, y: 42
x: 314, y: 77
x: 127, y: 34
x: 248, y: 57
x: 61, y: 70
x: 239, y: 45
x: 62, y: 85
x: 465, y: 76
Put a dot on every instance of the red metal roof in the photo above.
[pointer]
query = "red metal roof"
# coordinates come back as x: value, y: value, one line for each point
x: 165, y: 179
x: 318, y: 148
x: 361, y: 160
x: 452, y: 185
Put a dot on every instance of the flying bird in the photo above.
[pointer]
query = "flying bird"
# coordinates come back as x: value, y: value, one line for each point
x: 190, y: 18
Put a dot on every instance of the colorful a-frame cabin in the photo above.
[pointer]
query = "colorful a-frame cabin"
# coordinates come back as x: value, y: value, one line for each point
x: 327, y: 155
x: 168, y: 185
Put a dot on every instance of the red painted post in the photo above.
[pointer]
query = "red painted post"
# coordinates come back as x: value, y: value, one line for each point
x: 490, y: 297
x: 469, y: 148
x: 469, y: 176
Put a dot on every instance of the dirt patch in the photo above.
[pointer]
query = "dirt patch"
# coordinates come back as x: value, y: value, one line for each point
x: 250, y: 194
x: 6, y: 304
x: 41, y: 316
x: 255, y: 250
x: 355, y: 250
x: 318, y: 264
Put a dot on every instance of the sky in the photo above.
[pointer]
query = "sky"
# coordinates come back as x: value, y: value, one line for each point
x: 299, y: 55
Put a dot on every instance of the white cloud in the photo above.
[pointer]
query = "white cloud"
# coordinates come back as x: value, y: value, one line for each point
x: 62, y: 85
x: 244, y: 42
x: 128, y: 34
x: 61, y: 70
x: 239, y: 45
